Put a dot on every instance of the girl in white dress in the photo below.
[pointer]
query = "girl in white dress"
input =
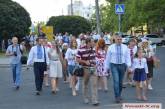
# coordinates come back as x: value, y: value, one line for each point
x: 55, y: 57
x: 140, y: 75
x: 70, y: 56
x: 133, y: 50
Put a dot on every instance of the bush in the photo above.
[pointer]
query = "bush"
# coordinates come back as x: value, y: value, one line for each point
x: 71, y: 24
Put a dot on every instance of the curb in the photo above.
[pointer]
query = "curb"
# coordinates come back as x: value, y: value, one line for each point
x: 8, y: 65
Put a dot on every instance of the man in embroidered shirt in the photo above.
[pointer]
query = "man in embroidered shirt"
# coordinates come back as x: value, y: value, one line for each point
x: 118, y: 60
x: 39, y: 56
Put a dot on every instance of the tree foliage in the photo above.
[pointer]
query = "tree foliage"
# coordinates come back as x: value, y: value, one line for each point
x: 71, y: 24
x: 14, y: 19
x: 137, y: 13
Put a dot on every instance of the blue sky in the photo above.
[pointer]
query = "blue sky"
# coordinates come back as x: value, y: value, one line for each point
x: 41, y: 10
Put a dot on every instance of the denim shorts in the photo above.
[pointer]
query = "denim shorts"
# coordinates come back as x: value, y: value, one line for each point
x: 71, y: 68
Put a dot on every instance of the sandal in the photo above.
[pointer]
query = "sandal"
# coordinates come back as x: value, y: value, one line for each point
x: 139, y: 98
x: 144, y: 98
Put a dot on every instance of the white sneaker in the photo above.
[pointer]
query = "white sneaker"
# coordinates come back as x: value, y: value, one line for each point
x: 150, y: 87
x: 74, y: 93
x: 57, y: 89
x: 99, y: 88
x: 86, y: 101
x: 47, y: 85
x: 77, y: 86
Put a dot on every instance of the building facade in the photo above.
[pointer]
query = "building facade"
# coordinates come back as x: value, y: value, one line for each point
x: 80, y: 10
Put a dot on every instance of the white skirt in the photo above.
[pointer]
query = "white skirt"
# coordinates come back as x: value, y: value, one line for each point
x: 55, y: 69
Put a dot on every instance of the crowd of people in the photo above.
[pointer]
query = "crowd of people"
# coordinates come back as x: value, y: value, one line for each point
x: 101, y: 57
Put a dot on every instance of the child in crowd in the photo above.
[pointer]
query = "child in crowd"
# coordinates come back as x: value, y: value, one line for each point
x: 140, y: 75
x: 64, y: 63
x: 133, y: 50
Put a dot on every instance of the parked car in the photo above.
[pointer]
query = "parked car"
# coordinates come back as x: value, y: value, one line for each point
x: 139, y: 37
x: 126, y: 38
x: 155, y: 39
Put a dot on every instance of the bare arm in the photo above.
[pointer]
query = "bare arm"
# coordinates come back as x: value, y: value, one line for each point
x: 82, y: 61
x: 9, y: 53
x: 61, y: 57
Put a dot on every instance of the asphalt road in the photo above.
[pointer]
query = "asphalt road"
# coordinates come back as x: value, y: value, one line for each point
x: 25, y: 98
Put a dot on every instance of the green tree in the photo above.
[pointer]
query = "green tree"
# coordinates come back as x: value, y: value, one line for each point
x: 137, y: 13
x: 14, y: 19
x: 154, y: 14
x: 109, y: 19
x: 71, y: 24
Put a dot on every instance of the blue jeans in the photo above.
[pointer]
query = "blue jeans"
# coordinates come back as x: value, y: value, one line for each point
x: 70, y: 69
x: 16, y: 70
x: 118, y: 71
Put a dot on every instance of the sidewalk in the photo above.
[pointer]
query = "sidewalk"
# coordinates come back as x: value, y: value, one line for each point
x: 5, y: 62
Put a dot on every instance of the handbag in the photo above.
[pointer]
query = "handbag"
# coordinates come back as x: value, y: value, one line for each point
x: 23, y: 59
x: 78, y: 71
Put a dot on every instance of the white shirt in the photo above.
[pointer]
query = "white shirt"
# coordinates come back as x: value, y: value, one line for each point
x: 32, y: 38
x: 96, y: 36
x: 71, y: 56
x: 150, y: 53
x: 111, y: 56
x: 106, y: 39
x: 59, y: 37
x: 140, y: 63
x: 78, y: 42
x: 33, y: 56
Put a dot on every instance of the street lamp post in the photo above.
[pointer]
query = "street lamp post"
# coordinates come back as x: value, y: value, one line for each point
x: 71, y: 7
x: 119, y: 17
x: 98, y: 17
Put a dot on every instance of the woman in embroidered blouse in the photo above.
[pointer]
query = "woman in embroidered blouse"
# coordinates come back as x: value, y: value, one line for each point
x: 55, y: 73
x: 100, y: 58
x: 148, y: 54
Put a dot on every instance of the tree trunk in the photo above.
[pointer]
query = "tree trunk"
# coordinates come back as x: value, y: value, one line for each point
x: 142, y: 30
x: 148, y: 28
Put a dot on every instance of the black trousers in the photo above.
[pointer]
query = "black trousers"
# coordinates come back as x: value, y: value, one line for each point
x: 39, y: 68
